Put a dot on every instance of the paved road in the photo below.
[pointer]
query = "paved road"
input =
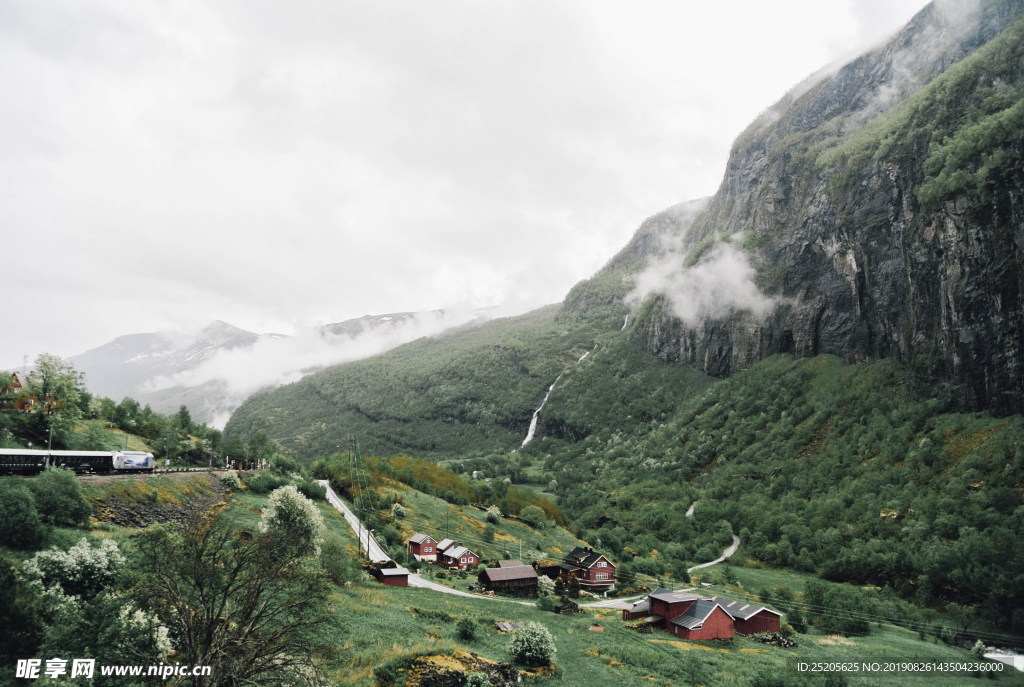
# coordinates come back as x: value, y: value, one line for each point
x: 416, y: 581
x: 366, y: 539
x: 725, y: 554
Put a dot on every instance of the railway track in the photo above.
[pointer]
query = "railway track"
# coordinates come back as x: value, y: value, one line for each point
x: 142, y: 475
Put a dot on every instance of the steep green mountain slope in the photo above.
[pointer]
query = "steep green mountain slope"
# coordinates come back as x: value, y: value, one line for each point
x: 882, y: 209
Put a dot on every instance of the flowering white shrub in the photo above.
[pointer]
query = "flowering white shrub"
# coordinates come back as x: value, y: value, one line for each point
x: 532, y: 645
x: 493, y: 515
x: 83, y: 606
x: 292, y: 517
x: 80, y: 572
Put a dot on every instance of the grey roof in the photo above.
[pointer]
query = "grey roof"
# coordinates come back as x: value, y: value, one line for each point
x: 741, y: 610
x: 520, y: 572
x: 392, y: 572
x: 509, y: 564
x: 640, y: 606
x: 420, y: 538
x: 674, y: 597
x: 457, y: 552
x: 583, y: 558
x: 696, y: 614
x: 444, y: 544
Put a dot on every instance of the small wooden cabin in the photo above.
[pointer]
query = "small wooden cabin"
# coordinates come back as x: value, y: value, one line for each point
x: 519, y: 580
x: 392, y: 577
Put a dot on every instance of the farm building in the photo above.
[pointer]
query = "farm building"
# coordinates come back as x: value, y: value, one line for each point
x: 591, y: 569
x: 703, y: 619
x: 691, y: 616
x: 520, y: 580
x: 423, y: 547
x: 392, y: 577
x: 458, y: 557
x: 750, y: 618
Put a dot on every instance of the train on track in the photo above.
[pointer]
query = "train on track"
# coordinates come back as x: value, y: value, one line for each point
x: 20, y: 461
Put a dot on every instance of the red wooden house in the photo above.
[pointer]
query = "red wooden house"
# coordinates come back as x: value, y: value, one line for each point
x: 691, y: 616
x: 592, y: 570
x: 423, y: 547
x: 750, y: 618
x: 12, y: 391
x: 704, y: 619
x: 458, y: 557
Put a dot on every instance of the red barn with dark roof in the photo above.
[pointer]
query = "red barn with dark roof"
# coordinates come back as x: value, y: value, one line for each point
x: 704, y: 619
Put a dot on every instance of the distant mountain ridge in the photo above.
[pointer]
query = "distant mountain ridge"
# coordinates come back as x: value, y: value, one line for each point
x: 169, y: 369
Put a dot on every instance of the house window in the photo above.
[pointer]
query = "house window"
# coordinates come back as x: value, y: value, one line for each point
x: 602, y: 564
x: 463, y: 560
x: 427, y: 549
x: 602, y: 576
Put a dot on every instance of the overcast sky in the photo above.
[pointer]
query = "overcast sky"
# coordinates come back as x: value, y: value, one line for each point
x: 279, y: 165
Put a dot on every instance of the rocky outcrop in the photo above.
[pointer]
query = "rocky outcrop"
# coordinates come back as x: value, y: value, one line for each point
x: 882, y: 208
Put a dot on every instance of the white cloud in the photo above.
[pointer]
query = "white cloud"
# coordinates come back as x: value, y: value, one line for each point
x: 720, y: 283
x: 274, y: 165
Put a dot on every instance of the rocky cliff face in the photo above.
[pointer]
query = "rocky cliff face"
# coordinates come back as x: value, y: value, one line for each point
x: 882, y: 209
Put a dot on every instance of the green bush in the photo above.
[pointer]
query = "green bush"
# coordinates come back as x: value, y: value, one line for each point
x: 264, y: 482
x: 533, y: 516
x: 465, y: 629
x: 312, y: 490
x: 22, y: 527
x: 477, y: 680
x: 59, y: 498
x: 338, y: 564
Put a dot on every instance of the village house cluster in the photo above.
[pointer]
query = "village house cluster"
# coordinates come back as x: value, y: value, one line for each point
x: 592, y: 570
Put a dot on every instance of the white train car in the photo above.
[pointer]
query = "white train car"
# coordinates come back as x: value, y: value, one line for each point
x: 19, y: 461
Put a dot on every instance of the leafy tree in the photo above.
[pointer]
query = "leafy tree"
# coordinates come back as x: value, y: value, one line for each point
x: 248, y: 605
x: 260, y: 447
x: 183, y: 420
x: 341, y: 569
x: 21, y: 630
x: 532, y: 645
x: 59, y: 498
x: 96, y: 439
x: 57, y: 388
x: 22, y: 527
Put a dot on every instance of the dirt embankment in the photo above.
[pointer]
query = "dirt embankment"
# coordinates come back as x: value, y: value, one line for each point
x: 164, y: 499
